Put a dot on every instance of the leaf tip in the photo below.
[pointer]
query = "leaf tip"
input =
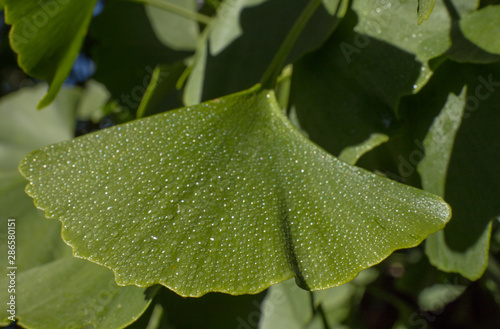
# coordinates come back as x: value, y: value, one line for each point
x: 424, y: 9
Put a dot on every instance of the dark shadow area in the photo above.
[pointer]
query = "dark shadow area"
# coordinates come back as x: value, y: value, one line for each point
x: 349, y: 88
x: 473, y: 173
x: 462, y: 50
x: 12, y: 78
x: 213, y: 310
x: 242, y: 64
x: 484, y: 3
x: 126, y: 51
x: 476, y: 308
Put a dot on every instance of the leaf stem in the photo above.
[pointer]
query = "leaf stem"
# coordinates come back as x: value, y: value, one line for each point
x: 319, y: 309
x: 179, y: 10
x: 269, y: 78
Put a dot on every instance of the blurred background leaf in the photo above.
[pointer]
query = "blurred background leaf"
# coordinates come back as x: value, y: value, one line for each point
x: 54, y: 289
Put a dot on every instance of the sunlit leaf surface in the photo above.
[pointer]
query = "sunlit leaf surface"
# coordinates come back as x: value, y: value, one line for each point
x: 224, y: 196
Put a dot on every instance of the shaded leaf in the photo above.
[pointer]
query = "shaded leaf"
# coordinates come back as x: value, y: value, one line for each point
x: 227, y: 196
x: 234, y: 52
x: 470, y: 263
x: 438, y: 144
x: 351, y: 154
x: 125, y: 39
x: 22, y: 130
x: 286, y: 306
x: 342, y: 94
x: 475, y: 153
x: 394, y: 23
x: 74, y: 293
x: 19, y: 135
x: 175, y: 31
x: 462, y: 49
x: 53, y: 289
x: 47, y: 36
x: 471, y: 182
x: 226, y: 27
x: 93, y: 100
x: 433, y: 168
x: 482, y: 27
x: 161, y: 92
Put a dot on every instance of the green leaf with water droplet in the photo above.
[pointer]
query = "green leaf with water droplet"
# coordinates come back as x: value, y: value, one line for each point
x: 424, y: 10
x: 224, y: 196
x: 393, y: 22
x: 482, y: 27
x: 47, y: 36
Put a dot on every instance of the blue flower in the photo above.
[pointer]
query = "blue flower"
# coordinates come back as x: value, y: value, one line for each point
x: 82, y: 70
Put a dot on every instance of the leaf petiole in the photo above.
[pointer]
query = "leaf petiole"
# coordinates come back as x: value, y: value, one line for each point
x: 269, y: 78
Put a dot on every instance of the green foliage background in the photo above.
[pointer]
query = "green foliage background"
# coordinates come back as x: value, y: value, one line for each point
x: 404, y: 89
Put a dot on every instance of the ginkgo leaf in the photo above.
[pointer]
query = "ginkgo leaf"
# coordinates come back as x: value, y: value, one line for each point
x: 224, y: 196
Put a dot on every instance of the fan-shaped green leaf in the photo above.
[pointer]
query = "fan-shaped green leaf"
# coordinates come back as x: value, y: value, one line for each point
x: 47, y: 36
x: 224, y: 196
